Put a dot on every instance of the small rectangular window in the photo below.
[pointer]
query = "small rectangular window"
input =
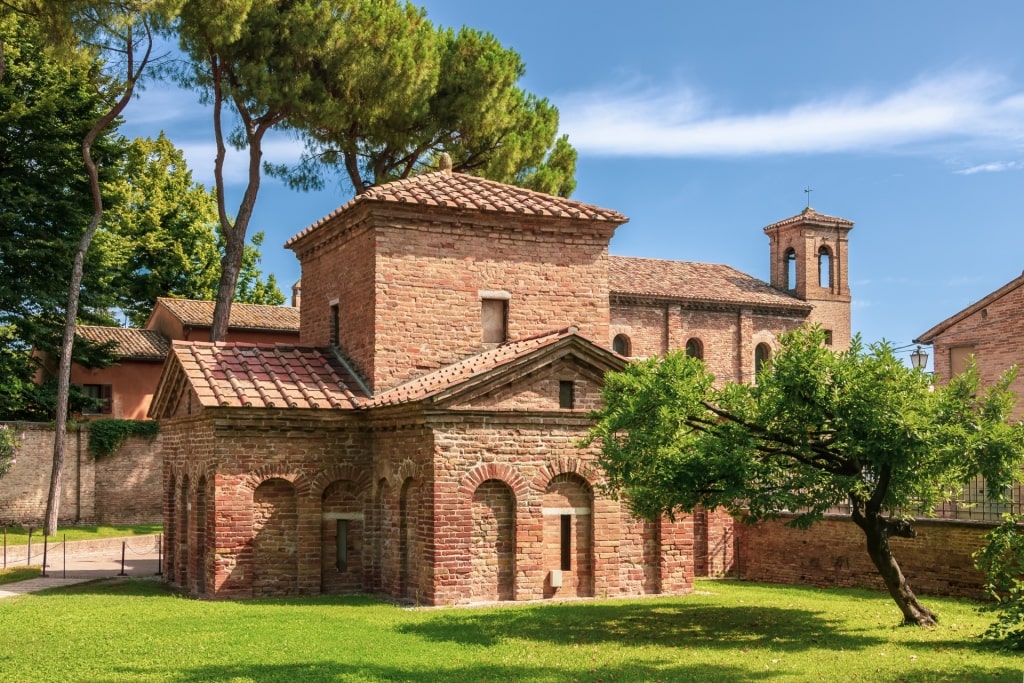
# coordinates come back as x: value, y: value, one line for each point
x: 566, y: 394
x: 566, y: 543
x: 335, y: 324
x: 494, y: 316
x: 959, y: 359
x: 341, y: 546
x: 102, y: 396
x: 828, y: 337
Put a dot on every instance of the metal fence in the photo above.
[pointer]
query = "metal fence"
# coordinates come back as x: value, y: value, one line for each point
x: 972, y: 504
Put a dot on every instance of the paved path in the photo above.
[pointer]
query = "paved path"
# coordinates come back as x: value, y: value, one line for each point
x: 90, y: 562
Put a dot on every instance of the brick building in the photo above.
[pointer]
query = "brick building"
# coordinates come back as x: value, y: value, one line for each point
x: 421, y: 441
x: 990, y: 331
x: 124, y: 390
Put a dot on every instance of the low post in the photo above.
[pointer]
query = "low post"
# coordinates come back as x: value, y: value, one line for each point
x: 5, y: 547
x: 159, y: 555
x: 65, y: 570
x: 28, y: 553
x: 45, y: 547
x: 123, y: 544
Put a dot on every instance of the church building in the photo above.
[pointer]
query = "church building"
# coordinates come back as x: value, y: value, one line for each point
x: 421, y: 441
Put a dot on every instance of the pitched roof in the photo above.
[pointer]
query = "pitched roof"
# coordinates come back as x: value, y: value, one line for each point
x: 243, y: 316
x: 131, y: 343
x: 709, y: 283
x: 458, y: 374
x: 266, y: 376
x: 929, y: 336
x: 462, y: 191
x: 809, y: 215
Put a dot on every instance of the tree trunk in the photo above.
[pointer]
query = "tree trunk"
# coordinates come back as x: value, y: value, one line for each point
x: 877, y: 531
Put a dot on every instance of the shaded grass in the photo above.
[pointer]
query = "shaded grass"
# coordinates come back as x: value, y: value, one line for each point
x: 20, y: 573
x: 726, y: 631
x: 18, y: 535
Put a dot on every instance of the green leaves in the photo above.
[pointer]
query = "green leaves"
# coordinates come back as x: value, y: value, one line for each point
x: 819, y: 428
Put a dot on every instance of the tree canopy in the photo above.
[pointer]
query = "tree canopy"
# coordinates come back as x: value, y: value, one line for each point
x: 818, y: 429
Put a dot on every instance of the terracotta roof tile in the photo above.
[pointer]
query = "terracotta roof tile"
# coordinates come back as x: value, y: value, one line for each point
x: 452, y: 375
x: 809, y: 215
x: 131, y: 343
x: 709, y: 283
x: 266, y: 376
x: 243, y: 316
x: 461, y: 191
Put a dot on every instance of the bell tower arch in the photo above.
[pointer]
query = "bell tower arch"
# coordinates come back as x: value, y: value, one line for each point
x: 808, y: 255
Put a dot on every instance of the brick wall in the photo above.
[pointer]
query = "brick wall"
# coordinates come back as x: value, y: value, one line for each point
x: 123, y: 488
x: 832, y: 553
x: 995, y: 335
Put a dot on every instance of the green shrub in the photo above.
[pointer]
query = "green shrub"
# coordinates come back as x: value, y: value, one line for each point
x: 8, y: 448
x: 1002, y: 561
x: 106, y: 436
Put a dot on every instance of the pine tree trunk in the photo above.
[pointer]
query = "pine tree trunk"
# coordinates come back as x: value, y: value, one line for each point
x: 877, y: 531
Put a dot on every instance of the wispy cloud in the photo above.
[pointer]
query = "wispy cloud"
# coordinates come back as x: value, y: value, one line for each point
x: 681, y: 122
x: 993, y: 167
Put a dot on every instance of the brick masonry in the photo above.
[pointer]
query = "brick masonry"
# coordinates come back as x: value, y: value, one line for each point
x: 480, y: 493
x: 124, y: 488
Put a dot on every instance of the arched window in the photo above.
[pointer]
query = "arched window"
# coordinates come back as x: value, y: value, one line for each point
x: 621, y: 345
x: 761, y: 355
x: 790, y: 269
x: 694, y: 348
x: 825, y: 267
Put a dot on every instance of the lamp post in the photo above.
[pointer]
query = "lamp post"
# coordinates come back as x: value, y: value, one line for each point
x: 919, y: 359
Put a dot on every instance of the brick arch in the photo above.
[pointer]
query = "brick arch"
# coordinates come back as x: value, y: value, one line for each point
x: 765, y: 337
x: 575, y: 466
x: 407, y: 469
x: 359, y: 476
x: 300, y: 482
x: 500, y: 471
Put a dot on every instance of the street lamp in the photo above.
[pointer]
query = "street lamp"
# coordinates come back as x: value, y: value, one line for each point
x: 919, y: 359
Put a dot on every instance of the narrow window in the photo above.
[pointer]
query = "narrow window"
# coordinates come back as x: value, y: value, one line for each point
x: 101, y: 398
x: 790, y: 269
x: 566, y: 544
x: 335, y: 324
x: 620, y: 345
x: 694, y: 348
x: 761, y: 354
x: 566, y: 394
x: 495, y: 320
x: 825, y: 268
x: 828, y: 337
x: 341, y: 546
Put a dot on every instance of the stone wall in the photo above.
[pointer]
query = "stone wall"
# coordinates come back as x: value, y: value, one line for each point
x: 832, y: 553
x: 123, y: 488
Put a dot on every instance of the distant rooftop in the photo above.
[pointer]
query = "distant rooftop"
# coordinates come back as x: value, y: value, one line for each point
x: 243, y: 316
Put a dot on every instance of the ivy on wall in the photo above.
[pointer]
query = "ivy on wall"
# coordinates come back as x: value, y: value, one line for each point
x: 106, y: 436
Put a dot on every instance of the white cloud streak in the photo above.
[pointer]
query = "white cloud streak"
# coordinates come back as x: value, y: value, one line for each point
x: 955, y: 107
x: 993, y: 167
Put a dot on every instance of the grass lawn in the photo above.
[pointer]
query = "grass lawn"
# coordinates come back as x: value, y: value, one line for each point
x: 17, y: 535
x: 20, y: 573
x: 726, y: 631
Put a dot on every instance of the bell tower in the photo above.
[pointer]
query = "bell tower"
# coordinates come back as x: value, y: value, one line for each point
x: 809, y: 260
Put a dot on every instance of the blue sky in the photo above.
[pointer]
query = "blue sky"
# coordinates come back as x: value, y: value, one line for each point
x: 704, y: 122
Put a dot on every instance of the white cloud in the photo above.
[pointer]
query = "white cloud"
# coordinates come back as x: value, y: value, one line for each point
x: 680, y: 123
x: 993, y: 167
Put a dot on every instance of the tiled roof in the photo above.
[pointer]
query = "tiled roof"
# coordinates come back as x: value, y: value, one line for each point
x: 809, y: 215
x: 131, y: 343
x: 243, y: 316
x: 710, y: 283
x: 458, y: 190
x: 452, y: 375
x: 929, y: 336
x: 266, y: 376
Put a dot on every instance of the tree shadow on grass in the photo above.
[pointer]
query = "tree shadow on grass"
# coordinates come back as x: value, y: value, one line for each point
x: 672, y: 624
x: 315, y: 672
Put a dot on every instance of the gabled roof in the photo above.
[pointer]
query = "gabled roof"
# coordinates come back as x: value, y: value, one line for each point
x: 809, y: 215
x: 929, y: 336
x: 259, y: 376
x: 195, y: 313
x: 512, y: 354
x: 133, y: 344
x: 462, y: 191
x: 708, y: 283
